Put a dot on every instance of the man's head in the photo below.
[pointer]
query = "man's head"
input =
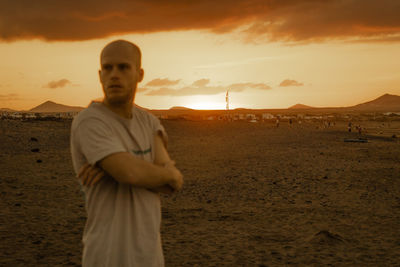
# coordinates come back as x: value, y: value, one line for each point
x: 120, y: 72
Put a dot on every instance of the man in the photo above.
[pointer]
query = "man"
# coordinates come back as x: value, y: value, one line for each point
x: 121, y: 154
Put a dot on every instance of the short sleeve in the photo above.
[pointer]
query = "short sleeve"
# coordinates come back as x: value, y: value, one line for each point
x: 158, y: 128
x: 96, y: 140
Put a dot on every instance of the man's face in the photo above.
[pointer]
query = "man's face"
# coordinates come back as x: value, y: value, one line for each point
x: 119, y: 74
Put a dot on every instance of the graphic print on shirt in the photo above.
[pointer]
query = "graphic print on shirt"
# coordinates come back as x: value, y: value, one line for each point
x: 141, y: 152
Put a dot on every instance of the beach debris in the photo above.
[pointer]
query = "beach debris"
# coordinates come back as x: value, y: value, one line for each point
x: 356, y: 140
x: 35, y: 149
x: 34, y: 139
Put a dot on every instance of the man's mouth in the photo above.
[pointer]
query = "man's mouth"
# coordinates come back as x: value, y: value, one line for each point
x: 115, y: 86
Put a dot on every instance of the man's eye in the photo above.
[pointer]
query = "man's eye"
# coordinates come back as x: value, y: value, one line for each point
x: 107, y: 67
x: 123, y: 67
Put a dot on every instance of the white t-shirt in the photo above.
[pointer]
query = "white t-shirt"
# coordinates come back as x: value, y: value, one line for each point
x: 123, y: 221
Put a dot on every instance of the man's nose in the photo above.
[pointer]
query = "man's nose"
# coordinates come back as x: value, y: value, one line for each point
x: 115, y: 73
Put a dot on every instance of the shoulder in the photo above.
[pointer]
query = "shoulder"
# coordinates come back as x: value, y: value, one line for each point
x: 93, y: 113
x: 144, y: 114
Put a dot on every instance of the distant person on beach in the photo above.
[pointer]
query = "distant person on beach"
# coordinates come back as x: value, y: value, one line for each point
x: 119, y: 154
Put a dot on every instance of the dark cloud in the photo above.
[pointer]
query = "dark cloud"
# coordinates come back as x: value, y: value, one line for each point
x: 257, y: 20
x: 288, y: 82
x: 201, y: 87
x: 162, y: 82
x: 57, y: 84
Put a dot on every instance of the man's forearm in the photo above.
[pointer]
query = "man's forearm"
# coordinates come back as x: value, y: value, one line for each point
x: 126, y: 168
x: 162, y: 159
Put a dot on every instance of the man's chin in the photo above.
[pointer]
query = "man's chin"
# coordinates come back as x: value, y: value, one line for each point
x: 118, y: 100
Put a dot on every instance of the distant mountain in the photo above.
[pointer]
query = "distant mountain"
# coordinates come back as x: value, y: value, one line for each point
x: 180, y: 108
x: 50, y: 106
x: 300, y: 106
x: 386, y: 102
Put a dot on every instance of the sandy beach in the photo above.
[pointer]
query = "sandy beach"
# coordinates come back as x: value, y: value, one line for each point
x: 254, y: 195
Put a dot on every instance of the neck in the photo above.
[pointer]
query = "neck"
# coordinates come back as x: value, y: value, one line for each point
x: 123, y: 110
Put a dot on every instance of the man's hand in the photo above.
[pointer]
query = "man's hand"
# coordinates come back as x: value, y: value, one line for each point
x: 176, y: 181
x: 162, y: 159
x: 90, y: 174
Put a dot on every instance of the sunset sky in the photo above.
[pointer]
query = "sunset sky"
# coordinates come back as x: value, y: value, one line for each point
x: 270, y: 54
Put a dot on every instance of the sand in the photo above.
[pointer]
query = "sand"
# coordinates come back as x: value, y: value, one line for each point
x: 254, y: 195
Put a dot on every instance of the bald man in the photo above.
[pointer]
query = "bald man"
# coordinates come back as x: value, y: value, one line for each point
x: 119, y: 153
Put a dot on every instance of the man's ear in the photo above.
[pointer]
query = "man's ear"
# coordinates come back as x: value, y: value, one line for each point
x: 141, y: 75
x: 100, y: 76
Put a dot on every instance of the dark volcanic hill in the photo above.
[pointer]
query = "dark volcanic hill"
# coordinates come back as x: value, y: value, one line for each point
x: 300, y: 106
x: 50, y: 106
x: 386, y: 102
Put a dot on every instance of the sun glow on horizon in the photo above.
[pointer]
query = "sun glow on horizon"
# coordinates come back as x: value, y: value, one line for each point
x: 206, y: 105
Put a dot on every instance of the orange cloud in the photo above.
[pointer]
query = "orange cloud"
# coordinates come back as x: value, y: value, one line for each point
x: 141, y: 89
x: 201, y: 87
x: 9, y: 97
x: 162, y: 82
x: 240, y: 86
x: 256, y: 20
x: 57, y: 84
x: 201, y: 82
x: 288, y: 82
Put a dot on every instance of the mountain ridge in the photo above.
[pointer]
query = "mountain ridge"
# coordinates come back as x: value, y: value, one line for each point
x: 300, y: 106
x: 386, y: 102
x: 50, y: 106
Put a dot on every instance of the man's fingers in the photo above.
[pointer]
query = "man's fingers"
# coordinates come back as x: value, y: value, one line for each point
x: 178, y: 183
x: 91, y: 173
x: 83, y: 169
x: 96, y: 178
x: 86, y: 175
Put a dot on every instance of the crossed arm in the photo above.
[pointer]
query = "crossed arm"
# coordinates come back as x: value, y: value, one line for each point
x: 161, y: 176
